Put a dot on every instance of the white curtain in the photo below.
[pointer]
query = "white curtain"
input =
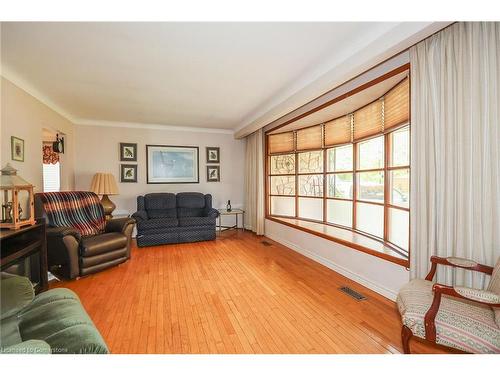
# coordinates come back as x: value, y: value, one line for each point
x: 455, y: 177
x: 254, y: 182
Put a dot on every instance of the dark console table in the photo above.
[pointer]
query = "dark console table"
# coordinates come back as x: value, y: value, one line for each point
x: 24, y: 252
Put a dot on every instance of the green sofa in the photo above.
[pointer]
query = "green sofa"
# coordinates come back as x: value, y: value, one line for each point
x: 51, y: 322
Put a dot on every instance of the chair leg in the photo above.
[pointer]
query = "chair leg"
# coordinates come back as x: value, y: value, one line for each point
x: 406, y: 335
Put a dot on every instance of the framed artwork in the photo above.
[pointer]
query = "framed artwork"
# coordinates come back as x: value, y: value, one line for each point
x: 213, y: 155
x: 128, y: 151
x: 17, y: 148
x: 128, y: 172
x: 172, y: 164
x: 213, y: 173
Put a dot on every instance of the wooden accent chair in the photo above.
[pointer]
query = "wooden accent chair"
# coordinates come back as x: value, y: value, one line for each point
x: 462, y: 318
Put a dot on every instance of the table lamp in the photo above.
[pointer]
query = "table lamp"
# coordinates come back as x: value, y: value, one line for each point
x: 104, y: 184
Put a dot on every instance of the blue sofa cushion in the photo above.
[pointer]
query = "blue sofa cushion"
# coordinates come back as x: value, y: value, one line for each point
x: 162, y: 222
x: 190, y: 205
x: 190, y: 212
x: 160, y: 205
x: 196, y: 221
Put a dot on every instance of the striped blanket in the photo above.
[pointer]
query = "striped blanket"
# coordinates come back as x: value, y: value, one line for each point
x: 77, y: 209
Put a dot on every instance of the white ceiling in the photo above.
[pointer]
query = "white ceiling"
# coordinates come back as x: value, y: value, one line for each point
x: 208, y: 75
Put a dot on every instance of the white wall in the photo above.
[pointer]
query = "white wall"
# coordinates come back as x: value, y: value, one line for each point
x: 25, y: 117
x: 97, y: 150
x: 382, y: 276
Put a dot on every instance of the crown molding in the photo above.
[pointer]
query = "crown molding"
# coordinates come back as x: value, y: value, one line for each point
x: 139, y: 125
x: 20, y: 82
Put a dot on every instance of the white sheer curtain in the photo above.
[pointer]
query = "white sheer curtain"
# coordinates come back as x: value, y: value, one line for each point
x: 254, y: 182
x: 455, y: 177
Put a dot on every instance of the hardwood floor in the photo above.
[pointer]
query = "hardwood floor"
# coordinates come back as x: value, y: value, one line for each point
x: 235, y: 295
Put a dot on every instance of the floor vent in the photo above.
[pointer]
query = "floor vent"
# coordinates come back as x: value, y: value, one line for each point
x: 265, y: 243
x: 351, y: 292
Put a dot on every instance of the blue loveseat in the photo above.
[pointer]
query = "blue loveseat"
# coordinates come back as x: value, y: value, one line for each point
x: 164, y: 218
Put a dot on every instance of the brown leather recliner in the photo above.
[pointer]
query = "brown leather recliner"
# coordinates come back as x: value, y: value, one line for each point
x: 71, y: 255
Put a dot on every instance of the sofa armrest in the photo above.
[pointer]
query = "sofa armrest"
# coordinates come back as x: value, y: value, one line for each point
x: 27, y: 347
x: 119, y: 225
x: 60, y: 232
x: 212, y: 212
x: 458, y: 263
x: 140, y: 215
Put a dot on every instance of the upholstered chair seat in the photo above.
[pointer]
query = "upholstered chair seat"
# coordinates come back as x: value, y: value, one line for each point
x: 460, y: 324
x: 454, y: 316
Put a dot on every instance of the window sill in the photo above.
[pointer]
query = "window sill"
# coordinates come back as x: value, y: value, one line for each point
x: 345, y: 237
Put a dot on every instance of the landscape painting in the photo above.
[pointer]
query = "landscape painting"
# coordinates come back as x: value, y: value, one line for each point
x: 172, y: 164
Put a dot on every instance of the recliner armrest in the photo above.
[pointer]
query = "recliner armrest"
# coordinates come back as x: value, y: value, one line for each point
x: 118, y: 225
x: 60, y: 232
x: 212, y: 212
x: 140, y: 215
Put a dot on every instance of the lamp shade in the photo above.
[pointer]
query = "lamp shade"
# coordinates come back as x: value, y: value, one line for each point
x: 104, y: 183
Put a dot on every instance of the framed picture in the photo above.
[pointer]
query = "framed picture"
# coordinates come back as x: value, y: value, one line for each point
x: 128, y: 151
x: 172, y: 164
x: 128, y: 172
x: 213, y: 155
x: 213, y: 173
x: 17, y: 148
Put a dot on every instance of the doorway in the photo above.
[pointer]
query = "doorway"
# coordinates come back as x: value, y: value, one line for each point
x: 51, y: 162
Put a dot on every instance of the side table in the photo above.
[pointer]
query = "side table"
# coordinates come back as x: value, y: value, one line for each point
x: 24, y: 252
x: 235, y: 212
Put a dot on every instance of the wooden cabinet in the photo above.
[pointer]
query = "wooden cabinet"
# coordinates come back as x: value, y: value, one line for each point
x: 24, y: 252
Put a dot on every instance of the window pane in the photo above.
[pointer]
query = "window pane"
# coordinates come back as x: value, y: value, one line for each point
x: 340, y: 185
x: 282, y: 164
x: 339, y: 212
x: 399, y: 226
x: 311, y: 208
x: 400, y: 152
x: 283, y: 185
x: 340, y: 159
x: 283, y: 206
x: 371, y: 153
x: 400, y: 187
x: 371, y: 186
x: 370, y: 219
x: 311, y: 162
x: 51, y: 177
x: 311, y: 185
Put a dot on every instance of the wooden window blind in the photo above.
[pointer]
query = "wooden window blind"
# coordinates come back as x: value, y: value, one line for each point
x: 368, y: 120
x: 282, y: 142
x: 397, y: 105
x: 310, y: 138
x: 338, y: 131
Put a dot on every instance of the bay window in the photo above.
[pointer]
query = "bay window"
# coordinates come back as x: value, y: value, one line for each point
x: 351, y: 172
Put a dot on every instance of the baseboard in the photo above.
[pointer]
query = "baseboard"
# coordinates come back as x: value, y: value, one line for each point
x: 335, y: 267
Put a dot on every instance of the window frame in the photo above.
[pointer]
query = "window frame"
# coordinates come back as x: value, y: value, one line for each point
x: 386, y: 169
